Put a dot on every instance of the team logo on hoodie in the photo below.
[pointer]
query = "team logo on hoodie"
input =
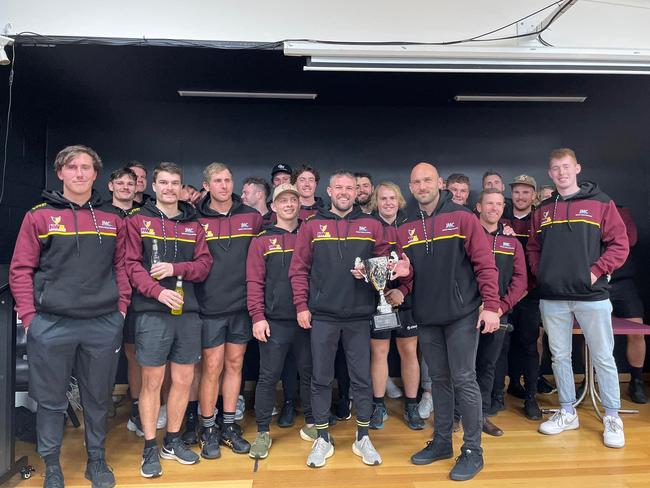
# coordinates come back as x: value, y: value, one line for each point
x: 323, y: 232
x: 208, y: 232
x: 56, y: 225
x: 274, y: 246
x: 546, y: 218
x: 413, y: 237
x: 147, y: 230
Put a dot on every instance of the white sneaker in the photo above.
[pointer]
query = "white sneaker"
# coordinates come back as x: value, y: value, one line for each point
x: 559, y: 422
x: 366, y: 451
x: 425, y: 407
x: 392, y: 390
x: 162, y: 417
x: 613, y: 436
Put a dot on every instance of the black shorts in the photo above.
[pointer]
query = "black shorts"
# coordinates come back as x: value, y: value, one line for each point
x: 409, y: 327
x: 162, y: 337
x: 236, y: 328
x: 625, y: 299
x: 129, y: 328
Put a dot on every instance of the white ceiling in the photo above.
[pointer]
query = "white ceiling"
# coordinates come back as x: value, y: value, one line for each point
x: 589, y: 23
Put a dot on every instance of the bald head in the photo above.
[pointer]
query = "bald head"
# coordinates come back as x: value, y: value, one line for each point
x: 425, y: 183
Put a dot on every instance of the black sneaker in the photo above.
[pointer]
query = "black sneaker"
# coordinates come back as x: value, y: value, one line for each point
x: 343, y: 409
x: 99, y: 474
x: 516, y: 390
x: 233, y: 439
x: 178, y: 451
x: 531, y: 409
x: 287, y: 415
x: 191, y: 435
x: 544, y: 387
x: 379, y: 416
x: 498, y: 404
x: 150, y: 466
x: 636, y: 391
x: 210, y: 443
x: 53, y: 476
x: 434, y: 451
x: 412, y: 417
x: 468, y: 464
x: 235, y: 426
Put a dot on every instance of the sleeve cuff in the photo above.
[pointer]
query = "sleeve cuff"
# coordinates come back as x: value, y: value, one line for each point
x: 302, y: 307
x: 404, y: 290
x: 505, y: 308
x: 27, y: 319
x: 122, y: 307
x: 258, y: 317
x: 597, y: 271
x: 491, y: 306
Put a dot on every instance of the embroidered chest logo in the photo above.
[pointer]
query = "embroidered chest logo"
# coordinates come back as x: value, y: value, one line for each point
x: 208, y: 232
x: 107, y: 224
x: 412, y: 236
x: 56, y: 225
x: 583, y: 212
x: 450, y: 227
x: 189, y: 231
x: 147, y: 230
x: 507, y: 246
x: 274, y: 246
x: 323, y: 232
x: 244, y: 226
x: 363, y: 230
x: 546, y: 218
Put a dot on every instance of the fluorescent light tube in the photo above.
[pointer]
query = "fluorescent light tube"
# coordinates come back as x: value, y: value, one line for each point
x: 238, y: 94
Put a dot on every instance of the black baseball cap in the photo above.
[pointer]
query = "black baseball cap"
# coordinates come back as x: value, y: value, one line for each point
x: 281, y: 168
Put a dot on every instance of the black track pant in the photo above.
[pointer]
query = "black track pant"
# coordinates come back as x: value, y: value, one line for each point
x: 524, y: 358
x: 450, y: 353
x: 489, y: 349
x: 355, y: 337
x: 57, y: 346
x: 286, y: 335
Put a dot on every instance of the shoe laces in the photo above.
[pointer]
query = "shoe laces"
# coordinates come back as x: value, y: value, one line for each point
x: 150, y: 455
x: 54, y: 473
x: 611, y: 425
x: 464, y: 455
x: 560, y: 417
x: 320, y: 446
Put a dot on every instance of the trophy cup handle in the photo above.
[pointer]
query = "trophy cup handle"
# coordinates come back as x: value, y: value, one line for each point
x: 358, y: 261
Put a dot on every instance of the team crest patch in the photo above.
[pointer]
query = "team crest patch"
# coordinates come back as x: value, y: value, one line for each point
x: 107, y: 224
x: 413, y: 237
x: 363, y: 230
x: 208, y: 232
x: 56, y: 225
x: 147, y: 230
x: 323, y: 232
x: 546, y: 218
x: 274, y: 246
x: 189, y: 231
x: 244, y: 226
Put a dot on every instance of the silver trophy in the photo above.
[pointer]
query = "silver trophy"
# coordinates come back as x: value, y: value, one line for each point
x: 377, y: 272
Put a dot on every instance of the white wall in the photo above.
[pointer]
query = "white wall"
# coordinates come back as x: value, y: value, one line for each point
x: 590, y: 23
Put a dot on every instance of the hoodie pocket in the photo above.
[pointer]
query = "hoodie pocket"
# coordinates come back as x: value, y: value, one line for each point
x: 459, y: 295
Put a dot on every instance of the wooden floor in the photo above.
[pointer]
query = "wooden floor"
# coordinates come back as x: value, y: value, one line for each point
x: 522, y: 457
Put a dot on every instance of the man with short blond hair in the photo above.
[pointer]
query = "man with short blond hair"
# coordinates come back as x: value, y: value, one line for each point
x: 577, y: 241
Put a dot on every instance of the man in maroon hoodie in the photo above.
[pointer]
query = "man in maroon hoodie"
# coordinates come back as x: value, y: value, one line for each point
x: 511, y: 263
x: 577, y: 241
x: 71, y: 290
x: 166, y: 248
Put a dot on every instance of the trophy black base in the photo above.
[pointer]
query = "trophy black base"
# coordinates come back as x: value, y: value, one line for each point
x: 385, y: 322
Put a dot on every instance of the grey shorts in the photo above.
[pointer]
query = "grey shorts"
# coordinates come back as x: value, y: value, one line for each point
x: 236, y: 328
x: 162, y: 337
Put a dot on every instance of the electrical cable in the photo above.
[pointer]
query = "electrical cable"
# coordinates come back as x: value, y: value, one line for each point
x: 8, y: 122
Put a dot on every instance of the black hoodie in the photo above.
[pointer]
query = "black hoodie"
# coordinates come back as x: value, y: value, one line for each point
x: 575, y: 236
x: 325, y: 251
x: 228, y: 237
x: 69, y: 260
x: 180, y: 241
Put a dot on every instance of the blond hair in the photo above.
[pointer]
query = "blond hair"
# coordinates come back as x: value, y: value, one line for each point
x: 213, y: 168
x: 391, y: 186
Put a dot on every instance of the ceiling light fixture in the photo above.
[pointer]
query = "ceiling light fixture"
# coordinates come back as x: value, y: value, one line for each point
x: 468, y: 59
x: 519, y: 98
x: 240, y: 94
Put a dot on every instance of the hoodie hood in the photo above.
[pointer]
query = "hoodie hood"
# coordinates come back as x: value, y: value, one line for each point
x: 56, y: 199
x: 318, y: 203
x: 326, y: 213
x: 587, y: 189
x: 185, y: 211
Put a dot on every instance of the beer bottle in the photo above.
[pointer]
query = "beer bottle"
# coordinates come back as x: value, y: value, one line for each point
x: 155, y: 254
x: 179, y: 290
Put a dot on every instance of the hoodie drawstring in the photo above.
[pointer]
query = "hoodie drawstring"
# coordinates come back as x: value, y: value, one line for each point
x: 426, y: 235
x: 76, y: 228
x: 227, y: 246
x: 92, y: 212
x: 164, y: 232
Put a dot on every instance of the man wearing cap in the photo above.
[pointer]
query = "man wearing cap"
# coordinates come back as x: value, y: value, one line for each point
x: 270, y: 305
x: 525, y: 316
x: 280, y: 174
